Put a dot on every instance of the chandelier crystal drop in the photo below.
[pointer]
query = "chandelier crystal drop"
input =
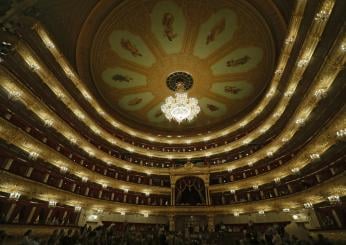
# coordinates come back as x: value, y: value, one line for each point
x: 180, y: 107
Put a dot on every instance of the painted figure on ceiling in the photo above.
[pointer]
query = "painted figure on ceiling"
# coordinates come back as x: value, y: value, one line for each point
x: 121, y: 78
x: 232, y: 90
x: 212, y: 107
x: 218, y: 28
x: 238, y: 62
x: 126, y: 44
x: 167, y: 22
x: 135, y: 101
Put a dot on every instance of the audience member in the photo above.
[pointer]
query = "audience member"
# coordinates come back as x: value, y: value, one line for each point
x: 136, y: 235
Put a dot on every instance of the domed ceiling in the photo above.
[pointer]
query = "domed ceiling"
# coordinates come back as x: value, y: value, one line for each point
x: 225, y: 45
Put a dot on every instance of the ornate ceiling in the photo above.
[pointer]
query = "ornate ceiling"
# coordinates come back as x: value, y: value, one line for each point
x: 227, y: 47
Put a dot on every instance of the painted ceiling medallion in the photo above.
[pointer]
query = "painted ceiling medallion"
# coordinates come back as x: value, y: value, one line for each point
x: 180, y: 107
x: 221, y: 51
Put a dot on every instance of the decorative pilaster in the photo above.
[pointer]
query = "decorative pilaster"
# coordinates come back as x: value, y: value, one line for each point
x: 61, y: 181
x: 45, y: 179
x: 8, y: 163
x: 86, y: 191
x: 10, y: 211
x: 336, y: 217
x: 48, y: 216
x: 207, y: 194
x: 32, y: 211
x: 172, y: 194
x: 29, y: 172
x: 289, y: 188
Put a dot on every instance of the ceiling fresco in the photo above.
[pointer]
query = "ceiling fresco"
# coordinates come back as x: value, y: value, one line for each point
x: 225, y: 45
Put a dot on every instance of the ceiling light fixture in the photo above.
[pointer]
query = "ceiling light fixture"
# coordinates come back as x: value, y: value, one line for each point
x: 180, y: 107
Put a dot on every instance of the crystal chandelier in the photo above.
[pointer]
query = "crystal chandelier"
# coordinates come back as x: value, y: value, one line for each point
x: 180, y: 107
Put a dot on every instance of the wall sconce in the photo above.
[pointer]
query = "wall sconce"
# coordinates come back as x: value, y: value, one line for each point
x: 79, y: 114
x: 63, y: 169
x: 279, y: 71
x: 246, y: 141
x: 341, y: 134
x: 77, y: 208
x: 335, y: 199
x: 48, y: 122
x: 303, y: 62
x: 308, y: 205
x: 33, y: 66
x: 92, y: 217
x: 13, y: 94
x: 314, y: 156
x: 52, y: 203
x: 300, y: 121
x: 15, y: 196
x: 289, y: 40
x: 289, y: 93
x: 295, y: 170
x: 320, y: 93
x: 295, y: 216
x: 33, y: 155
x: 321, y: 16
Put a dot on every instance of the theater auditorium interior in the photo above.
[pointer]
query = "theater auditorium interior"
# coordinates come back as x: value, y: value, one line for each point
x: 172, y: 122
